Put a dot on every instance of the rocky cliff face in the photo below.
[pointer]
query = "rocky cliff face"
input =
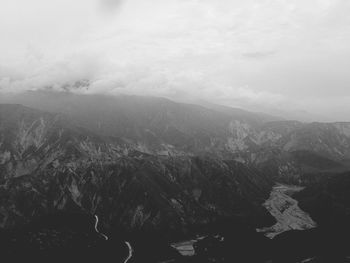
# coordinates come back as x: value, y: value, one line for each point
x: 151, y: 162
x: 48, y: 165
x: 163, y: 127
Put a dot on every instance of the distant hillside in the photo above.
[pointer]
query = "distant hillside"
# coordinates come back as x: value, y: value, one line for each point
x: 159, y: 126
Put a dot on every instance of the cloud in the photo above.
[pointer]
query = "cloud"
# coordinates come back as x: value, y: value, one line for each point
x: 259, y: 54
x: 265, y: 55
x: 110, y: 6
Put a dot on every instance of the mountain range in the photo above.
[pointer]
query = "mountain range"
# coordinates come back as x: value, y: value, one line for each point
x: 152, y: 165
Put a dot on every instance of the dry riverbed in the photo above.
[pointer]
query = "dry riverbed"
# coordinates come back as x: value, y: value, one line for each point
x: 286, y: 211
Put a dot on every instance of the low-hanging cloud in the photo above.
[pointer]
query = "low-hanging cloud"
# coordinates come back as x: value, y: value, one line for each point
x: 262, y: 55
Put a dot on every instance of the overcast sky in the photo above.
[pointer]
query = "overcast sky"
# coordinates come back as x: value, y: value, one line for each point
x: 287, y: 57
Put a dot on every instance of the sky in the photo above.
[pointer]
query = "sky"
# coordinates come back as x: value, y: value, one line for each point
x: 284, y: 57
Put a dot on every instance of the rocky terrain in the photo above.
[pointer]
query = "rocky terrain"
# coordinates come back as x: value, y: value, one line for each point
x: 153, y: 167
x: 163, y: 127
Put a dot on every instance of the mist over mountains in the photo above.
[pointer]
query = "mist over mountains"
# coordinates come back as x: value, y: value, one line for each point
x: 175, y: 131
x: 159, y: 124
x: 151, y: 166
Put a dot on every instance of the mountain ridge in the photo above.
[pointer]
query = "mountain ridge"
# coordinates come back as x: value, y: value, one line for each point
x: 155, y: 169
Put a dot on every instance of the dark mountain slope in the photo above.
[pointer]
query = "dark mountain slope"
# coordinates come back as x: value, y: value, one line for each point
x: 148, y: 165
x: 48, y: 165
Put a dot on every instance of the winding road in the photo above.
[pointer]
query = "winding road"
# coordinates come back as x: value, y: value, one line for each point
x: 97, y: 231
x: 131, y: 250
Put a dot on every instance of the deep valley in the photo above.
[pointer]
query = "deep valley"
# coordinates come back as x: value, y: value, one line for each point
x: 139, y: 179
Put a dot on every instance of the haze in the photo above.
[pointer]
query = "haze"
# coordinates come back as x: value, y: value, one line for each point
x: 285, y: 57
